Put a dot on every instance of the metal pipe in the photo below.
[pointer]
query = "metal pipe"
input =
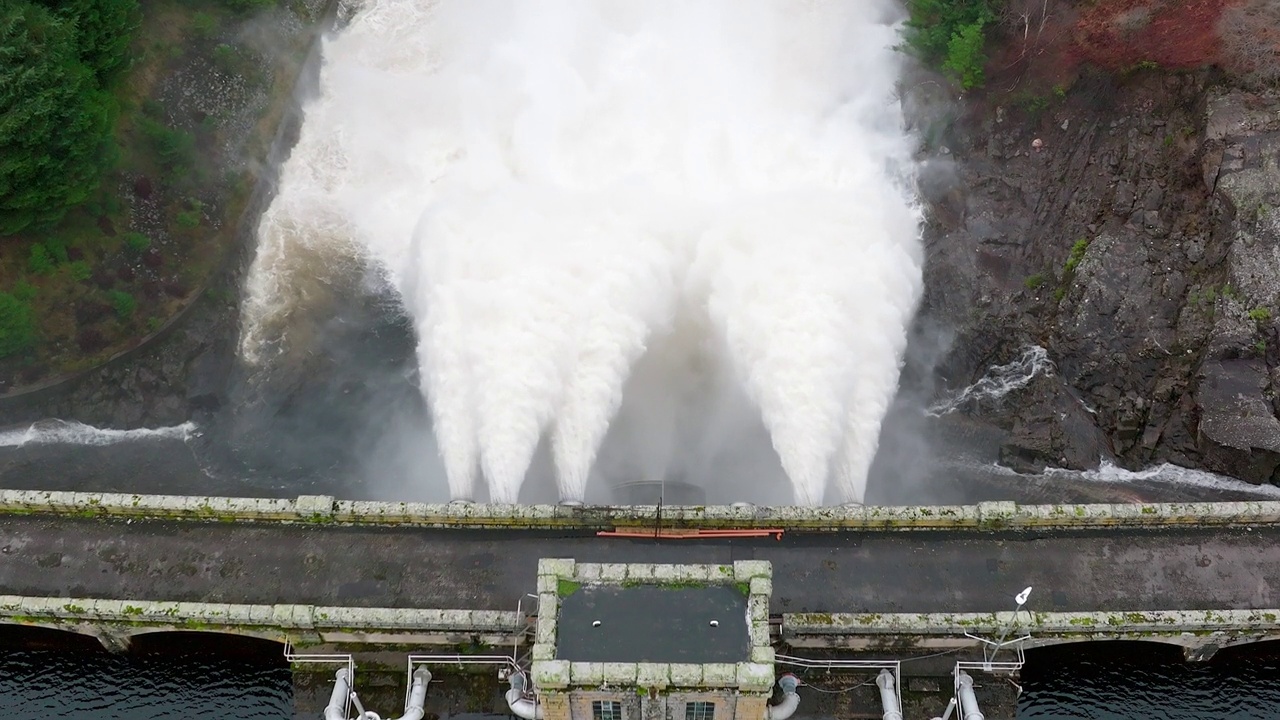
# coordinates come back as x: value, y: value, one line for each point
x: 790, y: 700
x: 888, y: 696
x: 337, y: 707
x: 951, y: 706
x: 417, y: 695
x: 521, y: 706
x: 968, y: 702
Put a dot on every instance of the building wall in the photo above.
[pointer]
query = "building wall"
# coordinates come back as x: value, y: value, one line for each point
x: 661, y: 706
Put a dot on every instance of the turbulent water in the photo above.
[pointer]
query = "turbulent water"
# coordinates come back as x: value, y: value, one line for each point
x: 604, y: 210
x: 70, y: 432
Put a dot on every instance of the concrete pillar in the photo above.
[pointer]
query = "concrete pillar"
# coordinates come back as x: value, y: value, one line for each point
x: 116, y: 642
x: 1199, y: 654
x: 555, y: 706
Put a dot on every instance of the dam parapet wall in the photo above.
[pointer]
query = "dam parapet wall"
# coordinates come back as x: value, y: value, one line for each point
x: 322, y: 509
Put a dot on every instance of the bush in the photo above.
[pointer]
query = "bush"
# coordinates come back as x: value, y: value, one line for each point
x: 247, y: 5
x: 1249, y: 35
x: 189, y: 219
x: 17, y: 324
x: 39, y: 261
x: 203, y: 26
x: 80, y: 271
x: 1077, y: 255
x: 949, y: 34
x: 136, y: 242
x: 174, y: 149
x: 123, y: 303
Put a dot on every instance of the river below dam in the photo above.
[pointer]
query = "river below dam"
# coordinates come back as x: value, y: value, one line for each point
x: 232, y: 682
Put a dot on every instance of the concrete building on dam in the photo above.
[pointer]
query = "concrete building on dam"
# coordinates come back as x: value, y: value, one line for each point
x: 595, y: 613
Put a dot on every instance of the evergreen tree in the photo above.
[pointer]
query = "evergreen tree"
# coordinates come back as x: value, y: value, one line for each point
x: 55, y: 120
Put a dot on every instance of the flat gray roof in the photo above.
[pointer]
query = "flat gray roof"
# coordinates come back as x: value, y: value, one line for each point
x: 652, y: 623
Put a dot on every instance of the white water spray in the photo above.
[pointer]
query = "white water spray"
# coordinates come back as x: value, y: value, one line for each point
x: 1000, y: 380
x: 69, y: 432
x: 554, y: 188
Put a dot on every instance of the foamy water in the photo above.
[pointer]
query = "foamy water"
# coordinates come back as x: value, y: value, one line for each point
x: 70, y: 432
x: 1162, y: 474
x: 562, y: 191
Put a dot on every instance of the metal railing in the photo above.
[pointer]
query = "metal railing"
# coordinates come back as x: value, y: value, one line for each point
x: 343, y: 659
x: 893, y: 666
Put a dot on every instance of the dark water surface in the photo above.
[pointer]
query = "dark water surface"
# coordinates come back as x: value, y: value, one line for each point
x: 47, y: 676
x: 1142, y: 681
x: 192, y: 676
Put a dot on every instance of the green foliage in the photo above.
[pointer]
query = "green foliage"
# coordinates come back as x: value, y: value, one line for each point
x: 965, y: 57
x: 55, y: 119
x: 39, y: 261
x: 124, y: 303
x: 174, y: 149
x: 189, y: 219
x: 248, y: 5
x: 136, y: 242
x: 203, y: 26
x: 103, y: 31
x: 24, y: 291
x: 1260, y: 314
x: 1034, y: 281
x: 17, y: 324
x: 949, y: 34
x: 1077, y: 254
x: 80, y: 271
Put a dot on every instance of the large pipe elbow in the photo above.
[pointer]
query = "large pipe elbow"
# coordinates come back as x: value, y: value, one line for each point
x: 790, y: 699
x: 337, y: 707
x: 888, y: 696
x: 521, y: 706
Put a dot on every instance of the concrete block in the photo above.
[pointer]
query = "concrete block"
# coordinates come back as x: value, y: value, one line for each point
x: 718, y: 675
x: 692, y: 573
x: 543, y: 651
x: 685, y: 675
x: 588, y: 572
x: 546, y: 629
x: 548, y: 584
x: 652, y: 675
x: 559, y: 567
x: 548, y: 604
x: 754, y: 677
x: 665, y: 572
x: 613, y: 573
x: 744, y: 570
x: 758, y: 608
x: 762, y: 586
x: 551, y: 674
x: 314, y: 506
x: 619, y: 674
x: 762, y: 655
x: 640, y: 572
x: 586, y: 674
x: 997, y: 511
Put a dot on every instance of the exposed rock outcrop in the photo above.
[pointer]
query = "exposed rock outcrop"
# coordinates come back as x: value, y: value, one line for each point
x: 1139, y: 242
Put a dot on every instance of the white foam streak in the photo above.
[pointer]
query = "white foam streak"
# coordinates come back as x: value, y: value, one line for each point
x: 999, y: 380
x: 69, y: 432
x: 552, y: 187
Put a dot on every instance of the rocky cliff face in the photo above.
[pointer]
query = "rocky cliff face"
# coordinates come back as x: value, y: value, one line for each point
x: 1131, y: 229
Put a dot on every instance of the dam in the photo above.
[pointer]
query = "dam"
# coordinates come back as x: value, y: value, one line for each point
x: 852, y: 588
